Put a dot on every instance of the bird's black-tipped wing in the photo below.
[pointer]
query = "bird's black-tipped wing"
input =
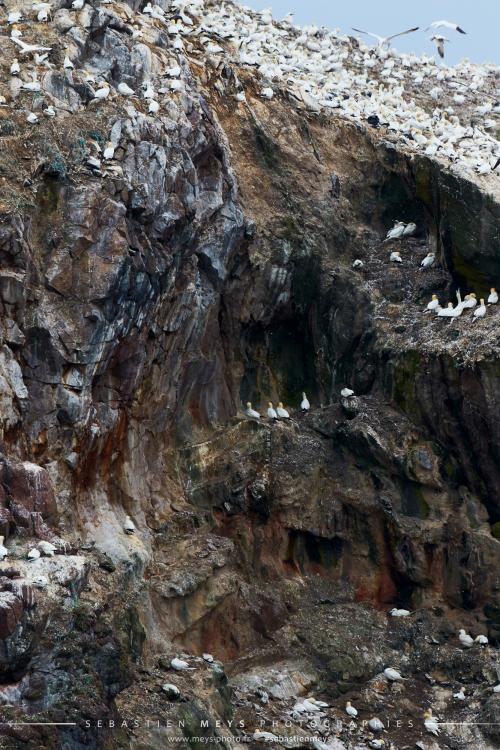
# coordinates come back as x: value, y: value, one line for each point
x: 402, y: 33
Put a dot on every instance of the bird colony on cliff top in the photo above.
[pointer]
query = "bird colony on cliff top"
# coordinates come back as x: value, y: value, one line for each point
x: 427, y: 107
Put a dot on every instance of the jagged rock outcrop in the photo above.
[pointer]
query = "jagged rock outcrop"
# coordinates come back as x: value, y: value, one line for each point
x: 143, y: 302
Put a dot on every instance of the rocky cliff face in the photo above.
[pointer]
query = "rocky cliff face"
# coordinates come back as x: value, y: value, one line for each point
x: 144, y: 301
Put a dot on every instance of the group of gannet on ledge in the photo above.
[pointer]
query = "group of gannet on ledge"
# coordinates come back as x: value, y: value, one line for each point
x: 468, y: 303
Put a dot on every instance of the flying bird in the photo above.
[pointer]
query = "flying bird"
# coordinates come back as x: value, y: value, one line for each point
x: 27, y: 48
x: 445, y: 25
x: 384, y: 40
x: 439, y: 42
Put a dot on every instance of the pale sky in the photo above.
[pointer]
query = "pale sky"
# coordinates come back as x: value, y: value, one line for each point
x: 479, y: 18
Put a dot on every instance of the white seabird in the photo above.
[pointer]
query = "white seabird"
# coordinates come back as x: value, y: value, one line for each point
x: 432, y: 304
x: 482, y: 640
x: 399, y: 612
x: 346, y: 393
x: 393, y: 675
x: 304, y: 404
x: 445, y: 25
x: 447, y: 312
x: 271, y: 411
x: 102, y: 92
x: 109, y: 151
x: 67, y: 65
x: 439, y: 42
x: 460, y: 696
x: 465, y: 639
x: 410, y: 229
x: 375, y: 724
x: 395, y: 257
x: 496, y: 689
x: 493, y: 298
x: 377, y: 744
x: 428, y: 261
x: 3, y: 550
x: 129, y: 525
x: 208, y: 658
x: 480, y: 311
x: 180, y: 665
x: 124, y: 89
x: 32, y: 118
x: 358, y: 263
x: 384, y: 40
x: 33, y: 554
x: 470, y: 301
x: 396, y: 232
x: 251, y: 412
x: 47, y: 548
x: 153, y: 107
x: 26, y: 49
x: 350, y: 710
x: 282, y: 412
x: 430, y: 723
x: 15, y: 68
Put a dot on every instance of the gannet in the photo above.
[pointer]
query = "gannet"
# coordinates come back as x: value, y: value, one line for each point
x: 103, y: 92
x: 33, y: 554
x: 399, y: 612
x: 430, y: 723
x: 208, y: 658
x: 480, y: 311
x: 445, y: 25
x: 109, y: 151
x: 271, y: 412
x: 267, y: 93
x: 15, y: 68
x: 410, y: 229
x: 346, y: 393
x: 481, y: 639
x: 395, y: 257
x: 124, y: 89
x: 428, y: 261
x: 465, y: 639
x: 77, y: 4
x: 493, y: 298
x: 14, y: 16
x: 393, y: 675
x: 358, y: 263
x: 304, y: 404
x: 282, y: 412
x: 432, y: 304
x: 384, y: 40
x: 375, y: 724
x: 180, y: 665
x: 68, y: 65
x: 3, y: 550
x: 32, y: 118
x: 350, y: 710
x: 396, y: 232
x: 171, y: 690
x: 460, y: 696
x: 33, y: 85
x: 129, y: 525
x: 496, y: 689
x: 439, y: 42
x: 251, y: 412
x: 153, y: 107
x: 47, y: 548
x: 26, y: 49
x: 470, y: 301
x: 447, y: 312
x: 377, y: 744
